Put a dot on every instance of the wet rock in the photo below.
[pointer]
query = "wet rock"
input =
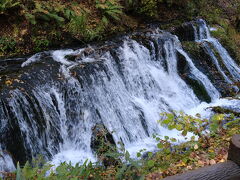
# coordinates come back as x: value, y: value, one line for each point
x: 185, y: 32
x: 196, y: 85
x: 199, y: 52
x: 101, y: 143
x: 222, y: 110
x: 81, y: 54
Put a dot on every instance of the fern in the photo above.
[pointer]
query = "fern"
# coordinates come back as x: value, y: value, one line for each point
x: 45, y: 12
x: 7, y: 4
x: 110, y: 9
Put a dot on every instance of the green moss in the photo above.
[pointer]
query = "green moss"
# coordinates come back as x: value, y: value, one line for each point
x: 192, y: 48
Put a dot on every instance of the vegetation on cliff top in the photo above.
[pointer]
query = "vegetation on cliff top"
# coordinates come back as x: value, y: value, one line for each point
x: 33, y: 26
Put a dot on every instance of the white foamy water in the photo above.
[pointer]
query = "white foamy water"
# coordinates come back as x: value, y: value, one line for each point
x: 6, y: 162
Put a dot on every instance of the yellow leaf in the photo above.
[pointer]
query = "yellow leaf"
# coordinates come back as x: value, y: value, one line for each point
x: 181, y: 164
x: 222, y: 160
x: 210, y: 150
x: 8, y: 82
x: 195, y: 146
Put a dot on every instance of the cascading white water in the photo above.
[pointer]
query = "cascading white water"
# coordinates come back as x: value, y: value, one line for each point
x: 125, y: 92
x: 212, y: 91
x: 215, y: 61
x: 6, y: 162
x: 202, y: 34
x: 143, y: 88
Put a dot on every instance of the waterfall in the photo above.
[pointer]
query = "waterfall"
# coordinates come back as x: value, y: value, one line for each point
x: 124, y: 85
x: 202, y: 34
x: 6, y: 162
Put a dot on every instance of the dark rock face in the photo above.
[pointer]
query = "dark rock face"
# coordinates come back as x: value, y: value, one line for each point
x: 101, y: 137
x: 200, y: 53
x: 196, y: 85
x: 185, y: 32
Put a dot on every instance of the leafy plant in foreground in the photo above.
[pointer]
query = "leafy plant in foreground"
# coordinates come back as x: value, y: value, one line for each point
x: 207, y: 145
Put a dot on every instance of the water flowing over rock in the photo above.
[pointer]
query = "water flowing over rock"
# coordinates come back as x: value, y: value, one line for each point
x: 51, y: 102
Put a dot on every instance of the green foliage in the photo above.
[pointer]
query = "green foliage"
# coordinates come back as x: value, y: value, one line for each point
x: 40, y: 43
x: 7, y: 44
x: 129, y: 4
x: 202, y: 128
x: 109, y: 9
x: 45, y: 11
x: 149, y: 8
x: 5, y: 5
x: 78, y: 26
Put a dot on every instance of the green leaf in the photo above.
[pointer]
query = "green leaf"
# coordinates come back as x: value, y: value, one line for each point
x: 56, y: 17
x: 166, y: 138
x: 139, y: 154
x: 31, y: 18
x: 179, y: 127
x: 184, y: 133
x: 127, y: 156
x: 105, y: 20
x: 150, y: 154
x: 120, y: 172
x: 167, y: 151
x: 150, y: 163
x: 166, y: 121
x: 160, y: 145
x: 172, y: 126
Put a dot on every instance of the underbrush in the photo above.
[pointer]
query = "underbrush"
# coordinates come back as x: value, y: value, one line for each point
x: 207, y: 144
x: 40, y: 25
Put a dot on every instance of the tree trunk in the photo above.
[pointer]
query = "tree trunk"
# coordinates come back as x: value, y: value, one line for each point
x: 234, y: 149
x: 222, y: 171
